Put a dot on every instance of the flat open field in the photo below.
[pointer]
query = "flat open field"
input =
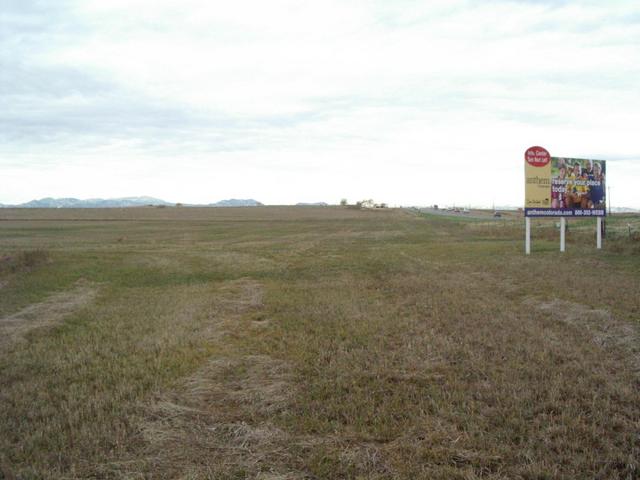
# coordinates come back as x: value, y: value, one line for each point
x: 315, y: 343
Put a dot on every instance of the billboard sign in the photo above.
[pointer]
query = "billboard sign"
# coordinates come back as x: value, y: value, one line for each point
x: 563, y: 187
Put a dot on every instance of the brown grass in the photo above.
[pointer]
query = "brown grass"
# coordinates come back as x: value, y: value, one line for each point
x: 605, y: 330
x: 319, y: 344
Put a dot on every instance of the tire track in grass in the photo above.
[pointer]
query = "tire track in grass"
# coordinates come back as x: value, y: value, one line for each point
x: 50, y: 312
x: 218, y: 422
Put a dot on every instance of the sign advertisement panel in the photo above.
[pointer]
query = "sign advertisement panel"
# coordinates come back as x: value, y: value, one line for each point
x: 537, y: 172
x: 563, y: 187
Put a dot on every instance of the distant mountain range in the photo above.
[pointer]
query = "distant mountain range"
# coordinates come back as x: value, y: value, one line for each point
x: 150, y: 201
x: 235, y: 202
x: 624, y: 210
x: 122, y: 202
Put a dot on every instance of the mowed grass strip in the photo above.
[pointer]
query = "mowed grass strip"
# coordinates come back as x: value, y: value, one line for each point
x: 318, y: 343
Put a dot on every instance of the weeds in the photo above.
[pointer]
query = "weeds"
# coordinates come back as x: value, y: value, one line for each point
x: 23, y: 261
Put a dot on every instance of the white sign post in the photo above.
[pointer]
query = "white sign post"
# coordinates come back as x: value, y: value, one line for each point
x: 599, y: 234
x: 563, y: 228
x: 527, y: 238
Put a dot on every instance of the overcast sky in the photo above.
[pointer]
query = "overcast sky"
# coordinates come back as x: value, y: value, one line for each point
x: 407, y: 102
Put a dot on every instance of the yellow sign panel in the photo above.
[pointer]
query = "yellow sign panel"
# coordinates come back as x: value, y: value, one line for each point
x: 537, y: 172
x: 537, y: 186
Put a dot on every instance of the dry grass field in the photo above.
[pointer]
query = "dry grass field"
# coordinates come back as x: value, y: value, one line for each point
x: 315, y: 343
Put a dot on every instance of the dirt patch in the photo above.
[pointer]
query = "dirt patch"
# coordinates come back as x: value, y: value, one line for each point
x: 240, y: 296
x: 219, y: 417
x: 367, y: 458
x: 51, y: 311
x: 603, y: 328
x: 219, y: 421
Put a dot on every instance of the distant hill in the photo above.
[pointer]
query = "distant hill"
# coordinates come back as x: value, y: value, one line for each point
x: 313, y: 204
x: 234, y: 202
x: 123, y: 202
x: 91, y: 203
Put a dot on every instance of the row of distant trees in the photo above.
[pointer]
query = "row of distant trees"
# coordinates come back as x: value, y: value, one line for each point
x: 364, y: 204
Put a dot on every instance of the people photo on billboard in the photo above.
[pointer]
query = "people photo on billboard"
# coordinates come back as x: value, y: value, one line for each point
x: 578, y: 184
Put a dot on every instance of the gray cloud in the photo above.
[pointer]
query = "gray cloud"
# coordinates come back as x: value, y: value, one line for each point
x: 97, y: 84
